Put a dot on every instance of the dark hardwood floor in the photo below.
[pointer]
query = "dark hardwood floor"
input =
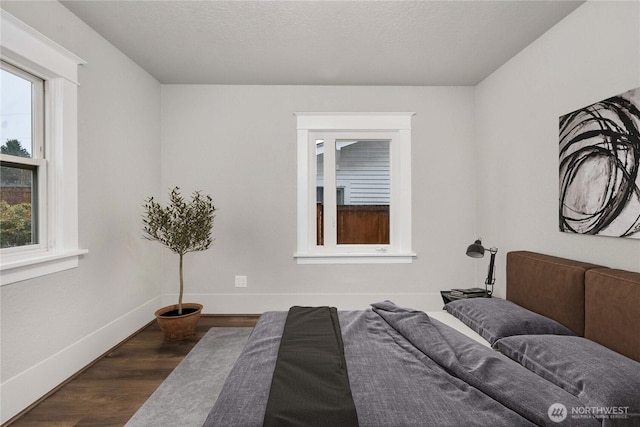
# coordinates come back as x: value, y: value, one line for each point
x: 111, y: 390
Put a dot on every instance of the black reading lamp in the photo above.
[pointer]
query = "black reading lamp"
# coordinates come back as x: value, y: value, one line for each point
x: 476, y: 250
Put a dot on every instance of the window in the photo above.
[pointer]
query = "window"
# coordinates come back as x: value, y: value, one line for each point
x: 354, y: 187
x: 38, y: 136
x: 22, y: 167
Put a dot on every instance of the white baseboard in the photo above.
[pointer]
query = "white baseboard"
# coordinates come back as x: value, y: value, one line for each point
x: 20, y: 391
x: 256, y: 303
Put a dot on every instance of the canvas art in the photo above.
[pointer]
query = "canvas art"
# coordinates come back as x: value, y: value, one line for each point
x: 599, y: 163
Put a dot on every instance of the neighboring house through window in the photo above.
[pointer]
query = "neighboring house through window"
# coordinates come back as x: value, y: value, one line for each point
x: 38, y: 154
x: 354, y: 187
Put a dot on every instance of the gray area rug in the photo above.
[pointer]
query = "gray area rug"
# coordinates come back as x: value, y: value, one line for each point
x: 189, y: 392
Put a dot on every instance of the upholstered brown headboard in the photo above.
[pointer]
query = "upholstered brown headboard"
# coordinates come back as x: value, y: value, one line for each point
x: 548, y: 285
x: 612, y: 310
x: 599, y: 303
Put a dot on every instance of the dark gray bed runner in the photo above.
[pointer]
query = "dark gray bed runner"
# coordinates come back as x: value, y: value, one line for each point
x: 310, y: 385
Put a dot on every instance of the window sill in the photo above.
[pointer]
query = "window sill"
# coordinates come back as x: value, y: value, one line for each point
x: 356, y: 258
x: 21, y: 267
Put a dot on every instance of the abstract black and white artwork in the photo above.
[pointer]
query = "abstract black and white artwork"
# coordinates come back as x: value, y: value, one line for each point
x: 599, y: 168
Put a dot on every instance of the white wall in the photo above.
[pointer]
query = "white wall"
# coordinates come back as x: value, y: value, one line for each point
x: 238, y: 143
x: 54, y: 325
x: 591, y: 55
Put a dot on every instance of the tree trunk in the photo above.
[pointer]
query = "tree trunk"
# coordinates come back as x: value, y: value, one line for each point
x: 181, y: 288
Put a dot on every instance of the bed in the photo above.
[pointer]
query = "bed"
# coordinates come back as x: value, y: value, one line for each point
x: 563, y: 348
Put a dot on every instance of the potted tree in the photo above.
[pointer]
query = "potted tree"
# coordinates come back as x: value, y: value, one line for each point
x: 182, y: 226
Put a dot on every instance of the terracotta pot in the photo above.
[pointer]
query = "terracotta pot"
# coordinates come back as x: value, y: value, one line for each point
x: 176, y: 328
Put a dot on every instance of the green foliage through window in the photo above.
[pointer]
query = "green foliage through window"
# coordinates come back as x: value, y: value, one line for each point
x: 14, y: 148
x: 15, y: 224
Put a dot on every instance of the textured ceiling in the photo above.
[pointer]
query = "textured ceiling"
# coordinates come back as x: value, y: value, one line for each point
x: 321, y: 42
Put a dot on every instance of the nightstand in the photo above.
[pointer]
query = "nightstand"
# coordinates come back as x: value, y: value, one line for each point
x: 447, y: 297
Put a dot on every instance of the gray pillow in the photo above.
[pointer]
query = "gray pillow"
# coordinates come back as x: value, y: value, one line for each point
x: 495, y: 318
x: 607, y: 383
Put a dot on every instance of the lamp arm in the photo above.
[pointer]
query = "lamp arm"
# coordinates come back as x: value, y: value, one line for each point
x: 490, y: 279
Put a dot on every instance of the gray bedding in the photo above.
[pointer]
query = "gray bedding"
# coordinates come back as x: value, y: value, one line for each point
x: 495, y: 318
x: 607, y: 382
x: 405, y: 369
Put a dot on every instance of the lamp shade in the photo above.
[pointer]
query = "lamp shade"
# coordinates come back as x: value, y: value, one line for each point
x: 476, y: 250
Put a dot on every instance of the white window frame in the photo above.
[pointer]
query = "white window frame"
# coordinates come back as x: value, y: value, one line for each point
x: 24, y: 48
x: 36, y: 162
x: 395, y: 127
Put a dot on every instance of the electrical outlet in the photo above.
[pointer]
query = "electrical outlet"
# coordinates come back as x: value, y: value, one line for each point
x: 241, y: 281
